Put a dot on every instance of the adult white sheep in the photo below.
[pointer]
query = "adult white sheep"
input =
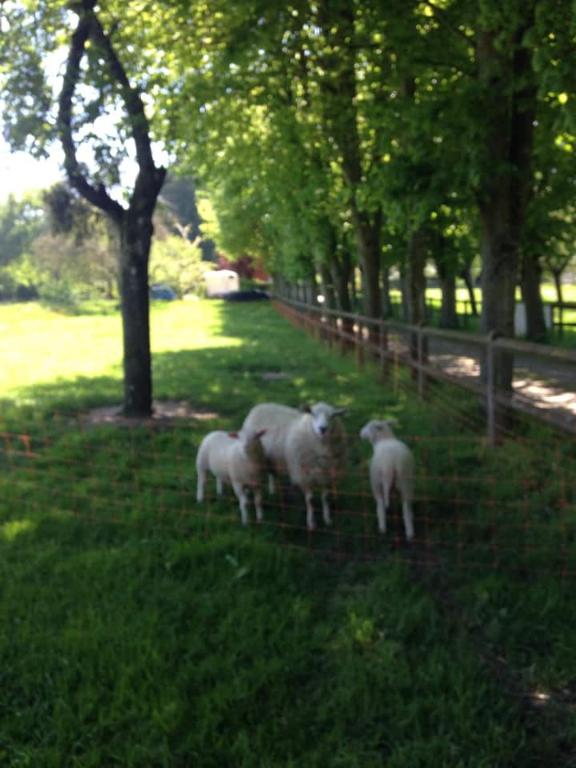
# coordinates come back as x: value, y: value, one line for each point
x: 236, y: 458
x: 392, y: 464
x: 308, y: 445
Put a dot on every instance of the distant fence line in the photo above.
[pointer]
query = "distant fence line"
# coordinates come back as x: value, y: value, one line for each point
x: 391, y: 342
x: 559, y: 314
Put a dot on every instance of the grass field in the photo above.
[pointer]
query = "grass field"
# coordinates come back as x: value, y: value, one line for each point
x: 566, y: 337
x: 138, y: 629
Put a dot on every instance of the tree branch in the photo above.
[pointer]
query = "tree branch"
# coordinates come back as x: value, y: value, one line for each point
x: 95, y: 195
x: 130, y: 95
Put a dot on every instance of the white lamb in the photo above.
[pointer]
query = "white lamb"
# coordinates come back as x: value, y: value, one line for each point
x: 308, y: 445
x: 392, y: 464
x: 236, y: 458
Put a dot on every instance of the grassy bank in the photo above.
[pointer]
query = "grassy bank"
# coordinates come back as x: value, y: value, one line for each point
x: 139, y: 629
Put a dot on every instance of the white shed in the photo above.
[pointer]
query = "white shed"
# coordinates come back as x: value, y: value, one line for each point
x: 221, y: 281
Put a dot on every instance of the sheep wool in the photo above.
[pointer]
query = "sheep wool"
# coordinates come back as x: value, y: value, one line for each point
x: 308, y: 445
x: 236, y: 458
x: 392, y: 464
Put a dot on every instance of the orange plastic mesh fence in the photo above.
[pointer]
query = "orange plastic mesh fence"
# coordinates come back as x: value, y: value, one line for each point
x: 473, y: 507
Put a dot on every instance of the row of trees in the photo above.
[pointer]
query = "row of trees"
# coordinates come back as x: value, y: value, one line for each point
x: 329, y: 133
x: 392, y: 134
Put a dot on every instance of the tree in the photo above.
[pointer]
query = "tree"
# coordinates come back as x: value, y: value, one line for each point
x: 21, y: 221
x: 93, y: 66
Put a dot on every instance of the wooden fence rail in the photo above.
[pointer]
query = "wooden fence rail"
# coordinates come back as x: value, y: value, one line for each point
x: 393, y: 342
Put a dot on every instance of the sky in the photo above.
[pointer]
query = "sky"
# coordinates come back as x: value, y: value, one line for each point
x: 19, y: 172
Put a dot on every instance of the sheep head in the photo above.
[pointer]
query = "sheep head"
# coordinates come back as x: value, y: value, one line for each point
x: 322, y: 416
x: 376, y: 430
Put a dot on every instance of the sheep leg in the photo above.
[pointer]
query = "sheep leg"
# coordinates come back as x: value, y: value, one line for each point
x: 200, y: 485
x: 271, y: 484
x: 326, y: 508
x: 243, y: 501
x: 408, y: 519
x: 382, y: 496
x: 258, y: 504
x: 310, y: 522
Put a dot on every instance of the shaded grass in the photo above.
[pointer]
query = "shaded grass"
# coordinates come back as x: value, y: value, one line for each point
x: 136, y: 630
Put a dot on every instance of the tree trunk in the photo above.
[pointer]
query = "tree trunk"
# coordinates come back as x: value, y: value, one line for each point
x: 328, y: 286
x: 505, y: 190
x: 386, y: 301
x: 342, y: 275
x: 136, y: 236
x: 466, y: 276
x: 557, y: 275
x: 133, y: 224
x: 343, y: 271
x: 416, y: 289
x: 416, y: 279
x: 448, y: 313
x: 368, y: 241
x: 532, y: 297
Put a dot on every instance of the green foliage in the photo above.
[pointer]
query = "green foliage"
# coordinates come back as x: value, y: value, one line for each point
x: 21, y: 221
x: 178, y: 263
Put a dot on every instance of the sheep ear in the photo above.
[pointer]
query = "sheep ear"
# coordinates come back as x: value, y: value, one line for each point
x: 235, y: 435
x: 261, y: 433
x: 305, y: 408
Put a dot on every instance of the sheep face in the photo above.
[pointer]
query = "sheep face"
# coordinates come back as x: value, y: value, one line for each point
x: 376, y: 430
x: 322, y: 416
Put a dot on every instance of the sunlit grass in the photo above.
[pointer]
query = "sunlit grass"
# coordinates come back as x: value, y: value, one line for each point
x: 39, y: 345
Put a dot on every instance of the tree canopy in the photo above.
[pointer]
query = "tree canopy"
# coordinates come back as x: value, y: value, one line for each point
x: 326, y: 134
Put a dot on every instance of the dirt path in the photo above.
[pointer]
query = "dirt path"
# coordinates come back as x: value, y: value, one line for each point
x: 546, y: 387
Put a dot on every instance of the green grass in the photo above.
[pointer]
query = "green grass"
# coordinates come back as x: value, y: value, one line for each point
x: 139, y: 629
x: 470, y: 323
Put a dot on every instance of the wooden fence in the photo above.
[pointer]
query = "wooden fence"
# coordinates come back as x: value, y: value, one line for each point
x: 467, y: 360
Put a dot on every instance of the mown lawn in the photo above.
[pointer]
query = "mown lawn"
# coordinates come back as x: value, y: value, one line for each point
x: 140, y: 629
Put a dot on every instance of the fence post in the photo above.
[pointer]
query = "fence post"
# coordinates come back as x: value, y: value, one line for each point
x: 490, y: 389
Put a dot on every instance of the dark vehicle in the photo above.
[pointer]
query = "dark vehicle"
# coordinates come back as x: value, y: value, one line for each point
x: 162, y: 293
x: 253, y: 294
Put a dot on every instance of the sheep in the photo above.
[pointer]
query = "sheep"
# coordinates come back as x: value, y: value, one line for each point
x: 236, y: 458
x: 392, y: 463
x: 307, y: 444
